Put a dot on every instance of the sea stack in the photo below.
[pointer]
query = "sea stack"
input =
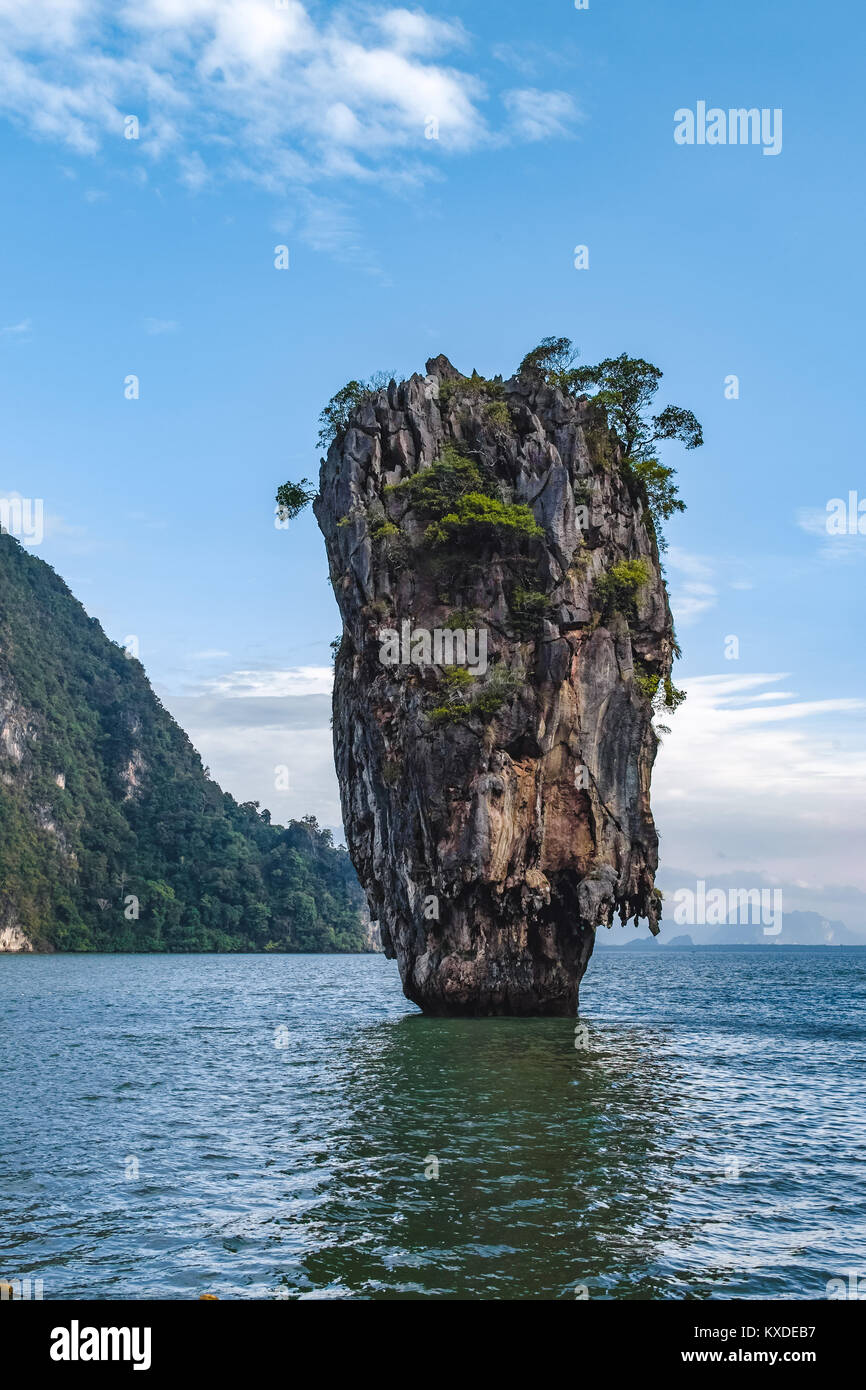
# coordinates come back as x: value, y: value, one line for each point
x: 505, y: 624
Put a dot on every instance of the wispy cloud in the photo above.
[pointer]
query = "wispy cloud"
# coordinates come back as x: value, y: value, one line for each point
x: 532, y: 58
x: 692, y: 592
x: 813, y: 520
x: 539, y: 115
x: 325, y: 224
x: 246, y: 88
x: 157, y: 326
x: 17, y: 330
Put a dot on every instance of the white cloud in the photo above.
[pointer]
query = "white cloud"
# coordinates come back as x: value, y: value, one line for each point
x: 538, y: 115
x: 246, y: 761
x: 759, y: 780
x: 247, y: 88
x: 247, y: 744
x: 413, y: 31
x: 17, y: 330
x: 298, y: 680
x: 248, y: 724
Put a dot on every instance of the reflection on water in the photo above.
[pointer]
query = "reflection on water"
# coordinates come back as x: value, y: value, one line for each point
x: 289, y: 1126
x: 553, y: 1164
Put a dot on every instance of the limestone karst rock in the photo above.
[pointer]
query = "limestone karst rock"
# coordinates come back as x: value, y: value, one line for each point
x: 496, y: 818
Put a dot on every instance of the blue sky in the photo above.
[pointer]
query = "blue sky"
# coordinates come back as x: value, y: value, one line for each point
x: 305, y: 126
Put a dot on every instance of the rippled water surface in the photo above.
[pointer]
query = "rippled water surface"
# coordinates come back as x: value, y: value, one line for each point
x: 272, y: 1126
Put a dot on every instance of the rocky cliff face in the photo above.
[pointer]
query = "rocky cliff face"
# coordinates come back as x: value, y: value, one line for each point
x: 495, y: 817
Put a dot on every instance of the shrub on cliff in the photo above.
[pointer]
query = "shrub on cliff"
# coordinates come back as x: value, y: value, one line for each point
x: 661, y: 491
x: 475, y: 386
x: 461, y: 504
x: 461, y: 703
x: 292, y: 498
x: 554, y: 358
x: 438, y: 488
x: 527, y: 607
x: 617, y: 590
x: 477, y: 516
x: 334, y: 418
x: 660, y: 691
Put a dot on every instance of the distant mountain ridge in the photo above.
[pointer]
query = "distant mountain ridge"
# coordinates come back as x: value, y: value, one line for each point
x: 113, y: 837
x: 798, y: 929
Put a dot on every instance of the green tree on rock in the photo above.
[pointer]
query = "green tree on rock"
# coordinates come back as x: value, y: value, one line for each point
x: 625, y: 386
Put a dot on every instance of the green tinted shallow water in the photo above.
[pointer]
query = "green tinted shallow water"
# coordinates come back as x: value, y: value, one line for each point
x: 266, y: 1127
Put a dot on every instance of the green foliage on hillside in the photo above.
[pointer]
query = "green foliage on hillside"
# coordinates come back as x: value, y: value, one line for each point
x: 138, y: 816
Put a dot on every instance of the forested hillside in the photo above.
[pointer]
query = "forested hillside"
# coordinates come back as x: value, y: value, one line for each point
x: 113, y: 837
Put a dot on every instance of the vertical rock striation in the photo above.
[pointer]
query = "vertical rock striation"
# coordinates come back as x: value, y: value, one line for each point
x: 495, y: 830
